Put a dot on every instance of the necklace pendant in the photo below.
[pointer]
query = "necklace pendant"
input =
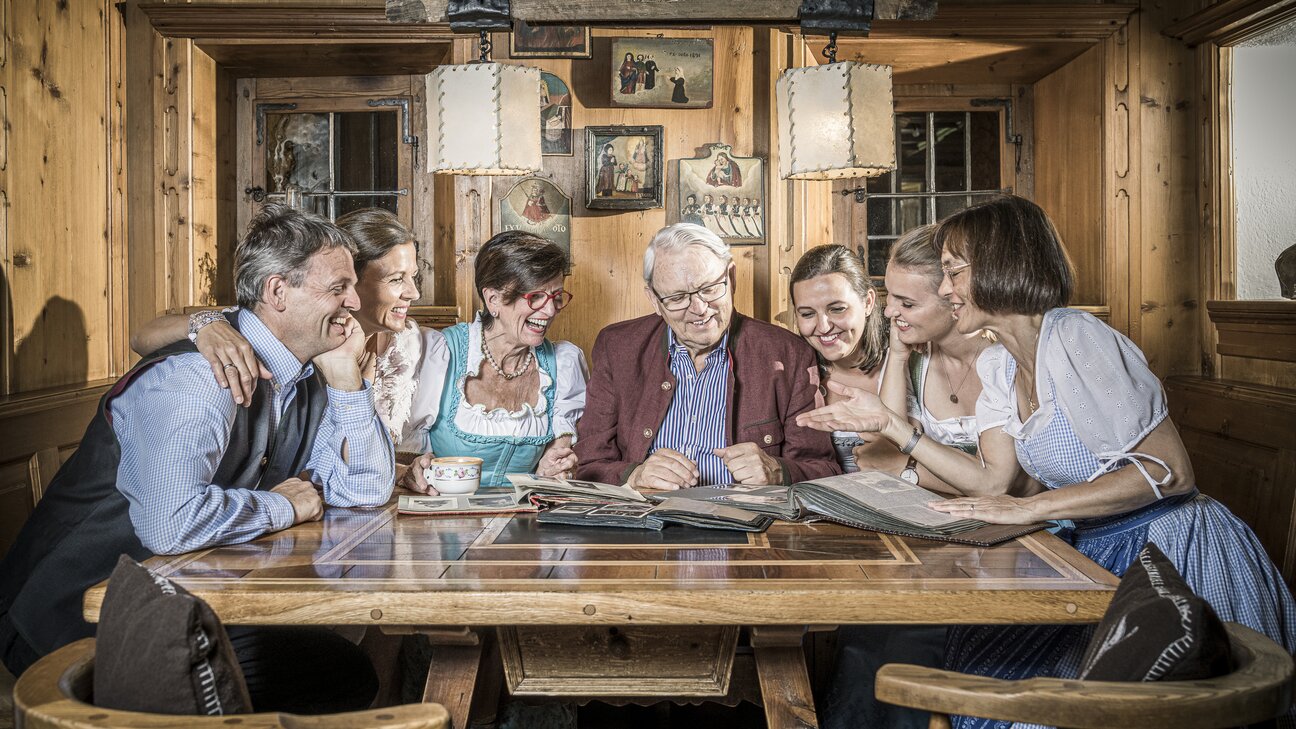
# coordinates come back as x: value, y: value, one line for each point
x: 953, y: 398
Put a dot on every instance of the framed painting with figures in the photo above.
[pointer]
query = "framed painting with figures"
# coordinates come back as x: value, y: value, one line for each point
x: 725, y: 193
x: 536, y: 205
x: 662, y: 73
x: 549, y: 41
x: 623, y: 168
x: 555, y: 116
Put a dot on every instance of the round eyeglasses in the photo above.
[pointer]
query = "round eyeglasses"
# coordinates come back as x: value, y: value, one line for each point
x: 537, y: 299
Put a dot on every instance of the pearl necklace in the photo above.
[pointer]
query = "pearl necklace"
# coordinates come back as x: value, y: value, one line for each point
x: 526, y: 365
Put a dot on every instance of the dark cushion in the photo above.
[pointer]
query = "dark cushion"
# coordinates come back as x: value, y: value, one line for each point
x: 1157, y: 629
x: 160, y: 650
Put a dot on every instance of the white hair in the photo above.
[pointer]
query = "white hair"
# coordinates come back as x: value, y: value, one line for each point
x: 680, y: 236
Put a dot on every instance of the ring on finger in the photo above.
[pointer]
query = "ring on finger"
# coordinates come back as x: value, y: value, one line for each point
x: 231, y: 366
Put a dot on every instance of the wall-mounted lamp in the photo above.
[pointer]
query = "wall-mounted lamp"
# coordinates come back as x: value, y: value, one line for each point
x: 482, y: 116
x: 835, y: 120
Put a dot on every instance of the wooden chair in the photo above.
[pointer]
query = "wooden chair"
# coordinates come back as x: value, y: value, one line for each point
x: 52, y: 694
x: 1258, y: 690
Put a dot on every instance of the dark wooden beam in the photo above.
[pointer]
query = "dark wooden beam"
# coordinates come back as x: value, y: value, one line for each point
x: 653, y: 12
x: 1230, y: 21
x: 217, y: 21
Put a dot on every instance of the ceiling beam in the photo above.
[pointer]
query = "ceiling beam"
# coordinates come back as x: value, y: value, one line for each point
x: 651, y: 12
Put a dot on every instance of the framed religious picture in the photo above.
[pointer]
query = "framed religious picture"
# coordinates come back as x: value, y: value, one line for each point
x: 555, y: 116
x: 623, y: 168
x: 662, y: 73
x: 725, y: 193
x: 536, y: 205
x: 549, y: 41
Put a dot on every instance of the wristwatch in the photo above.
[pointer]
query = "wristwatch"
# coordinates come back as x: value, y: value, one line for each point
x: 200, y: 319
x: 910, y: 472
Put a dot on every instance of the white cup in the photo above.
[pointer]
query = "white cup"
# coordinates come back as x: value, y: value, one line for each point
x: 454, y: 474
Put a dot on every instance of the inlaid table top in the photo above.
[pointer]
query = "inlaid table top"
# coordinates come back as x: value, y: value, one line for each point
x: 374, y: 566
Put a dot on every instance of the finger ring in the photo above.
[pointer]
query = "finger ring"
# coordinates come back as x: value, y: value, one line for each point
x: 231, y: 366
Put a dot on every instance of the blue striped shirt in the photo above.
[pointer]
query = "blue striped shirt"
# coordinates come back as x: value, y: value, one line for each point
x: 173, y: 423
x: 695, y: 421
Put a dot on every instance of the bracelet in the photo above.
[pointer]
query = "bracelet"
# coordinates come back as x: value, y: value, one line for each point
x: 200, y: 319
x: 907, y: 448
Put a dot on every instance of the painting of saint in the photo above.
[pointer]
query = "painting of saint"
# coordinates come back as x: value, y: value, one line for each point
x: 555, y: 116
x: 623, y: 167
x: 549, y: 41
x: 641, y: 68
x: 731, y: 190
x: 537, y: 206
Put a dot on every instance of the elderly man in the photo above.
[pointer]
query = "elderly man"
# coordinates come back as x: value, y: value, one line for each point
x: 698, y: 394
x: 170, y: 464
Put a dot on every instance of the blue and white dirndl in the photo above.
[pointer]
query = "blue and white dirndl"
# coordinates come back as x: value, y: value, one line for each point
x: 1219, y: 557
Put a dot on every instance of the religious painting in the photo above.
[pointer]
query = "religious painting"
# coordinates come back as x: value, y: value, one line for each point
x: 549, y: 41
x: 555, y: 116
x: 623, y: 167
x: 662, y: 73
x: 537, y: 206
x: 725, y: 193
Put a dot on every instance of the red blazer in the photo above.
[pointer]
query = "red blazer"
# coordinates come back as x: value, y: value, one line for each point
x: 773, y: 378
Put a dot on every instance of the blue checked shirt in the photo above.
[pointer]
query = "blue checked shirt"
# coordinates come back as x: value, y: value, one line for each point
x: 173, y: 424
x: 695, y: 421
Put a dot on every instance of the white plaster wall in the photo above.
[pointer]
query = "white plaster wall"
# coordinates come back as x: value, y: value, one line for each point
x: 1264, y: 161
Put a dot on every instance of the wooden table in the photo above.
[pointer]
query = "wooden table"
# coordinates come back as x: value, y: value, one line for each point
x: 626, y: 614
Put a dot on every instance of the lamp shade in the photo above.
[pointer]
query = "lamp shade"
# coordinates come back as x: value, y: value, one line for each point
x: 482, y: 119
x: 835, y: 121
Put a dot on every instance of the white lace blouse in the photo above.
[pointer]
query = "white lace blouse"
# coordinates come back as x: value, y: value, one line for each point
x: 532, y: 420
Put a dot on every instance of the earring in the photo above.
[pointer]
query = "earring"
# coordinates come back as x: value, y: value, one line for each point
x: 494, y: 314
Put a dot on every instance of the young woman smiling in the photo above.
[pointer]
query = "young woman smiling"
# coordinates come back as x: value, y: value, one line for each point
x: 836, y: 311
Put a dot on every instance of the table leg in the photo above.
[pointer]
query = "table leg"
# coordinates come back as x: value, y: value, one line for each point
x: 784, y: 681
x: 451, y: 679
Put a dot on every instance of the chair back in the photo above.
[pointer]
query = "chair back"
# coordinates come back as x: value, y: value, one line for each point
x: 1258, y: 689
x: 56, y: 693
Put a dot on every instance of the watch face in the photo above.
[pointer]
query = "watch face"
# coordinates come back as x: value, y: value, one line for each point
x: 910, y: 475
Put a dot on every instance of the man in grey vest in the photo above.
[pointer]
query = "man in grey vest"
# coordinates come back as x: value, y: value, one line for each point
x: 171, y: 464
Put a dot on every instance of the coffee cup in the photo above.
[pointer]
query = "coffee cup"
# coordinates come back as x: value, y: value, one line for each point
x: 454, y: 474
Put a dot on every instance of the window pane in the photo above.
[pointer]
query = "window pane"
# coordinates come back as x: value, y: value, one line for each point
x: 946, y: 206
x: 879, y: 216
x: 879, y: 251
x: 911, y: 154
x: 913, y: 213
x: 365, y: 146
x: 296, y: 152
x: 951, y: 152
x: 347, y: 203
x: 881, y: 183
x: 985, y: 150
x: 318, y: 204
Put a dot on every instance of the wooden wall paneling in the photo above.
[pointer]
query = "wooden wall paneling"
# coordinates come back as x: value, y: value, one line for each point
x: 1069, y: 166
x: 1120, y: 178
x: 1216, y: 222
x: 424, y: 203
x: 119, y: 284
x: 1239, y: 438
x: 148, y: 291
x: 227, y: 232
x: 1260, y: 372
x: 59, y: 166
x: 1019, y: 168
x: 175, y: 170
x: 1167, y: 319
x: 205, y: 250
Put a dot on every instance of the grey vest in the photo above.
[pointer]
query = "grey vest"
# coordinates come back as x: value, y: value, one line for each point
x: 72, y: 539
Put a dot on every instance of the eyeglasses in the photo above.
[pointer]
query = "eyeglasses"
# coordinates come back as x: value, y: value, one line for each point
x: 537, y: 299
x: 708, y: 293
x: 953, y: 271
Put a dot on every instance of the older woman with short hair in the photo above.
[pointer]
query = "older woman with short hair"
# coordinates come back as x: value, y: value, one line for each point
x: 496, y: 387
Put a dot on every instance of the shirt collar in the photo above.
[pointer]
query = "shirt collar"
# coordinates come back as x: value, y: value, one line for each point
x: 675, y: 348
x: 285, y: 368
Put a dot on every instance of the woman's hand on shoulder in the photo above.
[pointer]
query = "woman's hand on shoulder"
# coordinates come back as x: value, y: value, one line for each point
x: 233, y: 362
x: 413, y: 478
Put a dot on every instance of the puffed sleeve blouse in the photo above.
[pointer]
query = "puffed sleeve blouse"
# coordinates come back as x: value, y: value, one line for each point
x: 1092, y: 374
x: 570, y: 376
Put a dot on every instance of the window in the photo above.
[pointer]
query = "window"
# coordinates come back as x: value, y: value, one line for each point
x: 1264, y: 163
x: 945, y: 161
